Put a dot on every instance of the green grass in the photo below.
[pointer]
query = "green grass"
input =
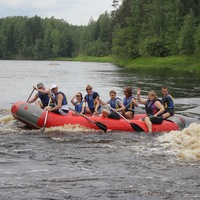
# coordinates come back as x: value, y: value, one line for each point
x: 107, y: 59
x: 173, y: 63
x: 183, y: 63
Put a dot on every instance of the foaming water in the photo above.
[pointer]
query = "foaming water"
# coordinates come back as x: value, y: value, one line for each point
x: 6, y: 119
x: 67, y: 128
x: 185, y: 144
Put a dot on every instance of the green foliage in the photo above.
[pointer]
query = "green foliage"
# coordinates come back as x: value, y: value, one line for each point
x: 153, y: 47
x: 119, y: 42
x: 82, y: 58
x: 87, y: 36
x: 136, y: 28
x: 97, y: 48
x: 197, y: 41
x: 156, y: 28
x: 187, y: 63
x: 186, y: 39
x: 96, y: 38
x: 36, y: 38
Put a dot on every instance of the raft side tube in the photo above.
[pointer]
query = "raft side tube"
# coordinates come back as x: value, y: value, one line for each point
x: 27, y: 113
x: 177, y: 119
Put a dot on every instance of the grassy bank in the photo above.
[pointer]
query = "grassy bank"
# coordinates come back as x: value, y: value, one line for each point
x: 107, y: 59
x: 191, y: 64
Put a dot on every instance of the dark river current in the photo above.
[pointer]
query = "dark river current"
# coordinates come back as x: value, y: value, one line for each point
x: 74, y: 163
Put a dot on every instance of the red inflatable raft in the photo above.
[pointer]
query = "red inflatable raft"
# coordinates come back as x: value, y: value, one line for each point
x: 34, y: 117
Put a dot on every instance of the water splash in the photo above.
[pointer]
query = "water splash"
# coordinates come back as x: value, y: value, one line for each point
x: 67, y: 128
x: 185, y: 144
x: 6, y: 119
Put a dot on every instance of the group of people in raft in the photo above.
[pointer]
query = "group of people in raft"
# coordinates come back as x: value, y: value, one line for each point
x: 55, y: 101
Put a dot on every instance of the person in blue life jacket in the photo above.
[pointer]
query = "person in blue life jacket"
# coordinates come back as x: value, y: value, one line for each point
x: 79, y: 103
x: 168, y: 103
x: 153, y: 107
x: 41, y: 98
x: 116, y: 104
x: 61, y: 104
x: 92, y: 100
x: 129, y: 103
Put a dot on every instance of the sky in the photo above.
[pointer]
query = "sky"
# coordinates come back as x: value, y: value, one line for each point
x: 75, y: 12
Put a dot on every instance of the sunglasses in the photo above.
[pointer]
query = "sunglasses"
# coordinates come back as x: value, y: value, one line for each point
x: 89, y: 89
x: 77, y: 95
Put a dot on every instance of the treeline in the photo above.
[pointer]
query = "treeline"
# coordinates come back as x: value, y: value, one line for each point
x: 156, y: 28
x: 36, y: 38
x: 136, y: 28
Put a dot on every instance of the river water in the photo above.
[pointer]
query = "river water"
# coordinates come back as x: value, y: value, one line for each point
x: 72, y: 163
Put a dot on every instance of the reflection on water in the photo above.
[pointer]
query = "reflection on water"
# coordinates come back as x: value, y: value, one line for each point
x: 181, y: 84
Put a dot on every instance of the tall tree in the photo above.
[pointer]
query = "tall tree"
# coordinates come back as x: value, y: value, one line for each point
x: 186, y: 39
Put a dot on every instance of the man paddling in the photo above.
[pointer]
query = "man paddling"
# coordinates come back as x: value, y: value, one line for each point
x: 41, y: 99
x: 61, y: 104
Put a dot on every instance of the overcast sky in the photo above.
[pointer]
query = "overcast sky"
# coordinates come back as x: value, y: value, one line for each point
x: 76, y: 12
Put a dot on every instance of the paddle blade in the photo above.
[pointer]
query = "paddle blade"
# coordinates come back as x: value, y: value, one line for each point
x: 101, y: 126
x: 136, y: 127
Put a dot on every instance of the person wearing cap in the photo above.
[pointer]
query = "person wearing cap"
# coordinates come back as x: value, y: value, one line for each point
x: 61, y: 104
x: 41, y: 98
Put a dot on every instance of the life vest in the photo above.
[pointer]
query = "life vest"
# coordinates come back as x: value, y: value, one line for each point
x: 150, y: 107
x: 64, y: 101
x: 113, y: 103
x: 128, y: 103
x: 90, y: 100
x: 168, y: 102
x: 44, y: 98
x: 79, y: 106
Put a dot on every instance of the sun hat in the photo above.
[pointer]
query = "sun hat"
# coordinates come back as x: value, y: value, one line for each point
x: 40, y: 85
x: 53, y: 86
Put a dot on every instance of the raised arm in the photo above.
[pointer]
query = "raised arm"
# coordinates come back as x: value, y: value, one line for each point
x: 72, y: 100
x: 141, y: 101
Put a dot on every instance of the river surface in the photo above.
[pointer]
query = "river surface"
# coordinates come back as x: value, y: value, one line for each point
x: 72, y: 163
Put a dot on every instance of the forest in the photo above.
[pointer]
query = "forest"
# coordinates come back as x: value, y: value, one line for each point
x: 135, y: 28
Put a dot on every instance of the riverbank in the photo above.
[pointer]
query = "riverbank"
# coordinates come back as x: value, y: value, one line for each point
x: 190, y: 64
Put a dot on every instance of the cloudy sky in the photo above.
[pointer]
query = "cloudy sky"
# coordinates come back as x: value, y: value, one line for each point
x: 76, y: 12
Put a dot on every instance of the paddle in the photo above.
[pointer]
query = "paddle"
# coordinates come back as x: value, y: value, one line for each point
x: 45, y: 119
x: 98, y: 124
x: 30, y: 95
x: 133, y: 125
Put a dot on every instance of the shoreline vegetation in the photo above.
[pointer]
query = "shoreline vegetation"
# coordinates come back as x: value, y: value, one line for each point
x: 175, y: 63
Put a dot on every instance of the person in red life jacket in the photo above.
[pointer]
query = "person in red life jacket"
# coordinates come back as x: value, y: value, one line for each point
x: 93, y: 102
x: 79, y: 103
x: 153, y: 107
x: 167, y: 102
x: 116, y: 104
x: 41, y: 98
x: 129, y: 103
x: 61, y: 104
